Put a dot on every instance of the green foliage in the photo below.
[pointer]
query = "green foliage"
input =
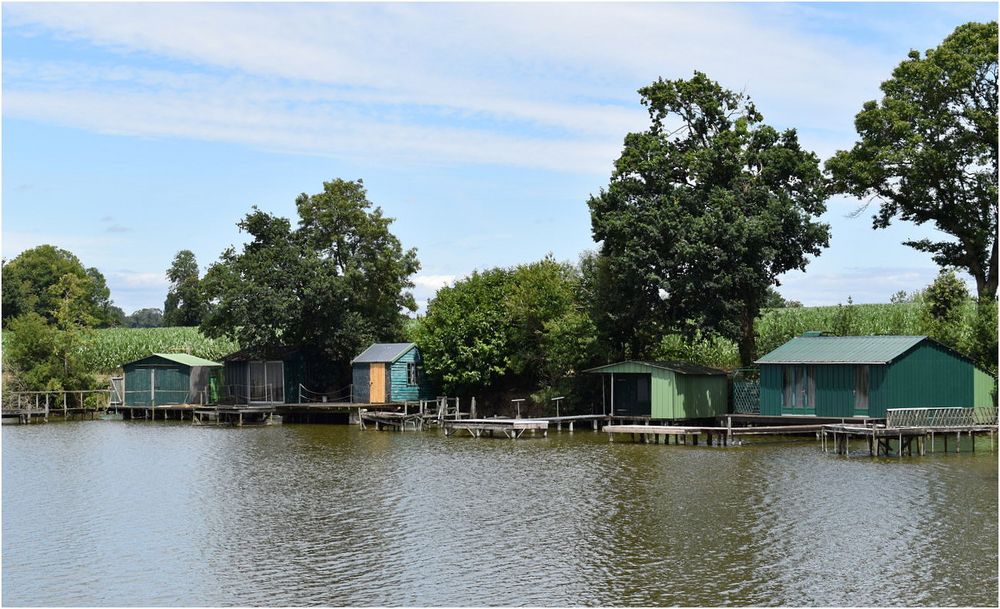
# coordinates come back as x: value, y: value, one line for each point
x: 30, y: 280
x: 334, y: 285
x: 185, y: 303
x: 942, y: 310
x: 699, y: 220
x: 525, y: 323
x: 981, y: 344
x: 144, y: 318
x: 712, y: 351
x: 928, y: 151
x: 106, y: 350
x: 42, y: 357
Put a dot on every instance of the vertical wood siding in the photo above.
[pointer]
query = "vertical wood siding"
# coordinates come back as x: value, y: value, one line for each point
x: 360, y: 380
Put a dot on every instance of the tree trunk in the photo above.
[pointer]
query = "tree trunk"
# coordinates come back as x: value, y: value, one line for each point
x: 748, y: 340
x: 988, y: 288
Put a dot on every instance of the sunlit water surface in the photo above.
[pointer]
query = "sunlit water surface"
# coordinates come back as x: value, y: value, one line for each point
x: 137, y: 513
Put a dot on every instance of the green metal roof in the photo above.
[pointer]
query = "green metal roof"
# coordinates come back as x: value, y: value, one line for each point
x: 187, y: 360
x: 679, y: 367
x: 841, y: 350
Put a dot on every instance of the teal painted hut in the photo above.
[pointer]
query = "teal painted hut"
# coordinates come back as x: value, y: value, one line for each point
x: 270, y: 376
x: 850, y: 376
x: 171, y: 378
x: 663, y: 390
x: 389, y: 372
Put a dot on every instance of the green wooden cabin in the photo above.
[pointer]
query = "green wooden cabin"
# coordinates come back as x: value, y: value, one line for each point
x: 389, y: 372
x: 849, y: 376
x: 663, y: 390
x: 171, y: 378
x: 269, y: 377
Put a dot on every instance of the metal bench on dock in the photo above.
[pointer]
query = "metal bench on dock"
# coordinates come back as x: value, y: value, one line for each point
x: 511, y: 428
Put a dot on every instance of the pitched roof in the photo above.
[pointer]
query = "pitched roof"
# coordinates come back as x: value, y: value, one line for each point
x: 679, y: 367
x: 183, y: 358
x: 383, y: 352
x: 841, y: 350
x: 274, y: 353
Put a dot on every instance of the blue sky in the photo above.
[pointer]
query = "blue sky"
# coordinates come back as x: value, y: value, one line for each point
x: 133, y: 131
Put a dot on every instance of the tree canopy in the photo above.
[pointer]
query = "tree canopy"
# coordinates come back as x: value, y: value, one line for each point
x: 927, y: 152
x: 30, y: 280
x: 335, y: 284
x: 185, y: 303
x: 523, y: 326
x: 703, y: 212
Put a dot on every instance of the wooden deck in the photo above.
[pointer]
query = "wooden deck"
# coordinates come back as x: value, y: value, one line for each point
x: 236, y: 416
x: 688, y: 434
x: 878, y: 440
x: 510, y: 428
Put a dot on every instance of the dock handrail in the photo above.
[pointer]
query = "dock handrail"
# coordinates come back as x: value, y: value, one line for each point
x: 941, y: 417
x: 307, y: 395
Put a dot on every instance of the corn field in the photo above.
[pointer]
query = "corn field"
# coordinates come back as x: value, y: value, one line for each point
x: 106, y: 350
x: 777, y: 326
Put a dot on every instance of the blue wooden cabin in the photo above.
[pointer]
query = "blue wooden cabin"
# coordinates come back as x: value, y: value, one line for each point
x: 389, y: 372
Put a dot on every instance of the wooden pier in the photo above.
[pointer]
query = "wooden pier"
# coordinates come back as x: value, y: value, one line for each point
x: 879, y: 440
x: 236, y: 416
x: 510, y: 428
x: 719, y: 436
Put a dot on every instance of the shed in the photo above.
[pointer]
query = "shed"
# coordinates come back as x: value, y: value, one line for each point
x: 847, y: 376
x: 171, y: 378
x: 389, y: 372
x: 663, y: 390
x: 270, y: 376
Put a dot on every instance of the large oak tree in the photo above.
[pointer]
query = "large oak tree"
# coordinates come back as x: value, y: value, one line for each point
x: 927, y: 152
x: 333, y: 285
x: 704, y: 211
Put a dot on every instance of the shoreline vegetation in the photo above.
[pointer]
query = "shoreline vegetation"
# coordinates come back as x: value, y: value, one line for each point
x: 103, y: 351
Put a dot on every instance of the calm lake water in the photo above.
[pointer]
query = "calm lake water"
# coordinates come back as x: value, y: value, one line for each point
x: 137, y: 513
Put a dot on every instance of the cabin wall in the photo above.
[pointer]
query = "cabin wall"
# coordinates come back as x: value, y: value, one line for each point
x: 360, y: 379
x: 699, y: 396
x: 171, y: 380
x: 927, y: 376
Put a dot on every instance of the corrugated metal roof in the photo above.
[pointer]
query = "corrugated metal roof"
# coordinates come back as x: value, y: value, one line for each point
x: 185, y: 359
x: 679, y: 367
x: 841, y: 350
x: 382, y: 352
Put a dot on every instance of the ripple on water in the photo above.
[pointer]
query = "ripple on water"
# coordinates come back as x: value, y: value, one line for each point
x: 120, y: 513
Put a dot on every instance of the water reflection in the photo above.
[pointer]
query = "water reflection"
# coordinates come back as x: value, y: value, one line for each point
x: 122, y: 513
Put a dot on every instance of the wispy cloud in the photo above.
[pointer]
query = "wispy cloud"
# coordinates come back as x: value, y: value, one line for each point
x: 134, y: 279
x: 549, y: 86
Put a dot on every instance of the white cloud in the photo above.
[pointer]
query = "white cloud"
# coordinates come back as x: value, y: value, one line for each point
x: 133, y: 279
x: 434, y: 282
x: 547, y: 86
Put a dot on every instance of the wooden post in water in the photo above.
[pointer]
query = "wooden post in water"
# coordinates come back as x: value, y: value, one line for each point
x: 472, y: 408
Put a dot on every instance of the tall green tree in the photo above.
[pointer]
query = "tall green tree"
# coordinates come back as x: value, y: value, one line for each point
x: 185, y: 303
x: 705, y: 210
x: 28, y: 279
x: 927, y: 152
x: 335, y: 284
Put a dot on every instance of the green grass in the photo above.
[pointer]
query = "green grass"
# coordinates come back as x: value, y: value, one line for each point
x: 104, y: 351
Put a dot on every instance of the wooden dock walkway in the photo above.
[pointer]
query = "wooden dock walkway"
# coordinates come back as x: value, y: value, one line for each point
x: 510, y: 428
x: 714, y: 435
x: 879, y: 439
x: 236, y: 416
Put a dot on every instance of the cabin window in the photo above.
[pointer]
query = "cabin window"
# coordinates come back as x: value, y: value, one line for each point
x: 799, y: 387
x: 411, y: 373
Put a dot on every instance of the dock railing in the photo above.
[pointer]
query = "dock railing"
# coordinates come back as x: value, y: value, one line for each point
x: 941, y: 417
x: 343, y: 394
